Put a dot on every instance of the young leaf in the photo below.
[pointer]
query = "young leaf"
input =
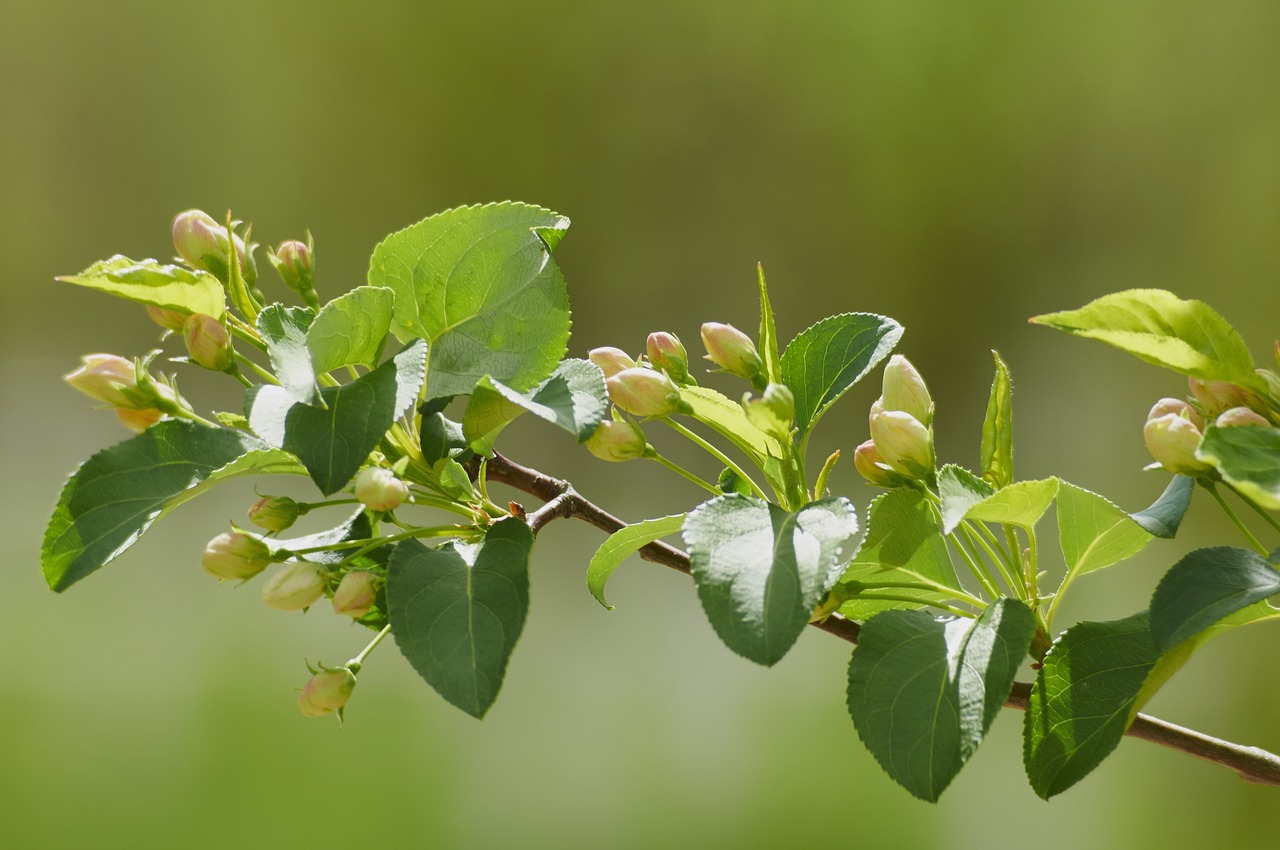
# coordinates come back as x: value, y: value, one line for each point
x: 1093, y: 532
x: 1165, y: 514
x: 334, y: 442
x: 439, y: 435
x: 960, y: 490
x: 828, y: 358
x: 923, y: 692
x: 621, y: 545
x: 1249, y: 459
x: 997, y: 429
x: 1204, y: 587
x: 574, y: 398
x: 457, y: 611
x: 284, y: 330
x: 966, y: 496
x: 761, y: 570
x: 727, y: 417
x: 1161, y: 328
x: 768, y: 332
x: 150, y: 282
x: 351, y: 330
x: 117, y: 494
x: 479, y: 285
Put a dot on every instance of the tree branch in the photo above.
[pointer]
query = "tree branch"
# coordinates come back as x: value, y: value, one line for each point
x: 561, y: 501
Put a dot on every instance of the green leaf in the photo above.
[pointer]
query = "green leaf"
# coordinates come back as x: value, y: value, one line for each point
x: 1094, y: 533
x: 439, y: 435
x: 574, y: 398
x: 923, y: 692
x: 828, y: 358
x: 1248, y: 456
x: 761, y: 570
x: 1165, y: 514
x: 966, y: 496
x: 457, y: 611
x: 622, y: 544
x: 959, y: 490
x: 351, y: 330
x: 1084, y: 699
x: 997, y: 429
x: 119, y: 493
x: 333, y: 443
x: 768, y: 332
x: 284, y: 330
x: 902, y: 544
x: 479, y: 285
x: 1204, y: 587
x: 149, y: 282
x: 727, y: 417
x: 1160, y: 328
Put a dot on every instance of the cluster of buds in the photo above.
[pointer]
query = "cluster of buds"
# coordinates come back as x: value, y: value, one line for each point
x: 139, y: 400
x: 901, y: 444
x: 1174, y: 428
x: 295, y: 262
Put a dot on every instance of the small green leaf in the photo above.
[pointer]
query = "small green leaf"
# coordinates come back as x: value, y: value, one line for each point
x: 828, y: 358
x: 439, y: 435
x: 1157, y: 326
x: 149, y: 282
x: 479, y: 285
x: 727, y: 417
x: 768, y: 332
x: 1248, y: 456
x: 1204, y: 587
x: 997, y: 429
x: 1094, y: 533
x: 574, y: 398
x: 119, y: 493
x: 761, y: 570
x: 960, y: 490
x: 923, y: 692
x: 1165, y: 514
x: 284, y: 330
x: 623, y: 543
x: 351, y: 330
x: 457, y: 611
x: 966, y: 496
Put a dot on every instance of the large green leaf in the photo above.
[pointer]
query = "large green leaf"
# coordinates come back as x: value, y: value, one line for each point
x: 457, y: 611
x: 1165, y: 514
x: 1206, y: 586
x: 828, y: 358
x: 284, y: 330
x: 1248, y: 456
x: 574, y: 398
x: 150, y: 282
x: 1161, y: 328
x: 923, y: 692
x: 761, y: 570
x: 334, y: 442
x: 351, y: 330
x: 479, y: 285
x: 997, y: 429
x: 622, y: 544
x: 117, y: 494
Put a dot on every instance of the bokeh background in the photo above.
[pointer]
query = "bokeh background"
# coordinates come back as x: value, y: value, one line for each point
x: 959, y: 166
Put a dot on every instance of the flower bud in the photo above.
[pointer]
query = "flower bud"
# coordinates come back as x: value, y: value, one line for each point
x: 274, y: 513
x: 617, y: 440
x: 208, y: 342
x: 170, y: 320
x: 903, y: 443
x: 138, y: 420
x: 106, y: 378
x: 1217, y: 396
x: 379, y: 489
x: 1172, y: 441
x: 666, y: 353
x: 201, y: 242
x: 235, y: 556
x: 610, y: 360
x: 1177, y: 407
x: 294, y: 264
x: 867, y: 460
x: 904, y: 390
x: 645, y: 392
x: 294, y: 586
x: 1240, y: 416
x: 355, y: 594
x: 326, y: 692
x: 732, y: 350
x: 773, y: 412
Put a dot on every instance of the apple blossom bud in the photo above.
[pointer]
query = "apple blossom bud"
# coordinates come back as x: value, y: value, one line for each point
x: 294, y: 263
x: 610, y: 360
x: 666, y: 352
x: 903, y: 443
x: 1240, y: 416
x: 379, y: 489
x: 106, y: 378
x: 170, y: 320
x: 1177, y: 407
x: 138, y: 420
x: 733, y: 351
x: 274, y: 513
x: 617, y: 440
x: 235, y: 556
x: 1217, y: 396
x: 294, y: 586
x: 645, y: 392
x: 355, y: 594
x: 201, y: 242
x: 326, y: 692
x: 208, y: 342
x: 867, y: 460
x: 904, y: 390
x: 1172, y: 441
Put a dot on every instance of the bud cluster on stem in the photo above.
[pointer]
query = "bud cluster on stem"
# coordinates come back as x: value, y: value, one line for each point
x: 901, y: 445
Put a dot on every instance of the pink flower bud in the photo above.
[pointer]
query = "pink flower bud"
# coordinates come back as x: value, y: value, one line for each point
x: 1240, y: 416
x: 617, y: 440
x: 326, y: 692
x: 645, y: 392
x: 295, y: 265
x: 170, y: 320
x: 1172, y: 441
x: 732, y: 350
x: 235, y: 556
x: 1217, y: 396
x: 356, y: 594
x: 106, y: 378
x: 274, y: 513
x: 867, y: 460
x: 138, y: 420
x: 201, y: 242
x: 379, y: 489
x: 666, y: 353
x: 208, y: 342
x: 610, y: 360
x: 1177, y: 407
x: 904, y: 444
x: 295, y: 586
x: 904, y: 390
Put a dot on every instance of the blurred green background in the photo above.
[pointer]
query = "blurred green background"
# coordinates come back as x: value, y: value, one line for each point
x: 959, y: 166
